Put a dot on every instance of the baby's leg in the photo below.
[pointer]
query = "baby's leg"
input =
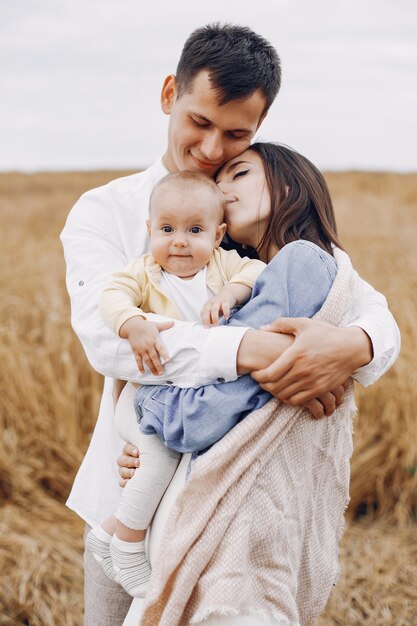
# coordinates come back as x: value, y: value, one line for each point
x: 118, y: 543
x: 140, y: 497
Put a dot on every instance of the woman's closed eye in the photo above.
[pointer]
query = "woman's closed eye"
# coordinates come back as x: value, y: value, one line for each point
x: 241, y: 173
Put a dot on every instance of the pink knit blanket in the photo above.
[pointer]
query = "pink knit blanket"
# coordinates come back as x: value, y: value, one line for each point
x: 255, y: 529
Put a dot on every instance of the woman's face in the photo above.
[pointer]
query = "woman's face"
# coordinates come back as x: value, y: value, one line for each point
x: 248, y: 202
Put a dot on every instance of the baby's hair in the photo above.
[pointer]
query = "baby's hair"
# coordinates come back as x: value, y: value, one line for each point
x: 190, y: 180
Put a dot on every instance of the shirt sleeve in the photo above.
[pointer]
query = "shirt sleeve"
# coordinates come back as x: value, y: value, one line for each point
x: 93, y: 239
x: 379, y: 324
x: 92, y: 242
x: 122, y: 296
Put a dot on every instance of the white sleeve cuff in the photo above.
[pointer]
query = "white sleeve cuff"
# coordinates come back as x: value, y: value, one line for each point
x: 384, y: 356
x: 218, y: 356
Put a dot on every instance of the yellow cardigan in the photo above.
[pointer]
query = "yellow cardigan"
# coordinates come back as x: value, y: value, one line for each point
x: 138, y: 285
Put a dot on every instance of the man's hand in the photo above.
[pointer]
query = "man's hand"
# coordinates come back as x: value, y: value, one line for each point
x: 128, y: 461
x: 146, y: 343
x: 320, y: 361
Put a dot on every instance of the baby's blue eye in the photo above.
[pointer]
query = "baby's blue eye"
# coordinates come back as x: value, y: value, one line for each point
x: 167, y: 229
x: 196, y: 229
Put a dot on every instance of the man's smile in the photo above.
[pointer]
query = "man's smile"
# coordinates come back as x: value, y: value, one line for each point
x: 204, y: 164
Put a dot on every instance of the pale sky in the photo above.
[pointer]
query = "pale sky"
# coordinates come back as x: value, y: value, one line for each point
x: 80, y: 79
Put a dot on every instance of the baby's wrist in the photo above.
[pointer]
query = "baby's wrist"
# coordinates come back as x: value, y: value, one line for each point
x: 130, y: 325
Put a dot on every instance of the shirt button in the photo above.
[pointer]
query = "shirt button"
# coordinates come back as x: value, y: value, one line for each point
x: 169, y: 382
x: 221, y: 380
x: 80, y: 283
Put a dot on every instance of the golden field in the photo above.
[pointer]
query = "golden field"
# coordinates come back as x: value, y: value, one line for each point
x: 49, y: 397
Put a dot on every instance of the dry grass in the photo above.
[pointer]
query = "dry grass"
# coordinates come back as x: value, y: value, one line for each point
x: 49, y: 396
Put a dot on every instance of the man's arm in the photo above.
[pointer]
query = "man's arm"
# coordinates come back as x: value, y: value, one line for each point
x: 323, y: 356
x: 96, y: 239
x: 92, y: 241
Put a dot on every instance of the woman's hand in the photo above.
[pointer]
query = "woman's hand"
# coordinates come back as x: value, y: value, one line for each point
x: 327, y: 403
x: 128, y: 461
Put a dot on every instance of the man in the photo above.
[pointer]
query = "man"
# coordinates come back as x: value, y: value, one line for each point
x: 226, y: 80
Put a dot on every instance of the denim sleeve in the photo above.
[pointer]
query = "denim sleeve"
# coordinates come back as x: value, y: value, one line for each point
x: 294, y: 284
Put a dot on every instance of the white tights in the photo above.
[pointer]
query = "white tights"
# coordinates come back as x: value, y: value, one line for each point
x: 158, y: 463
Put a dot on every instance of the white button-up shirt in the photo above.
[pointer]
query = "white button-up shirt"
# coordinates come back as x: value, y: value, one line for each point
x: 104, y: 231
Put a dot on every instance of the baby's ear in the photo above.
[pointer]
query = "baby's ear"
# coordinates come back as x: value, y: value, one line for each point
x: 148, y: 226
x: 220, y: 233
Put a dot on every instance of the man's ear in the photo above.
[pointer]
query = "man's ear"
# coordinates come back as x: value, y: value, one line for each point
x: 220, y: 233
x: 148, y: 226
x: 168, y: 94
x: 261, y: 119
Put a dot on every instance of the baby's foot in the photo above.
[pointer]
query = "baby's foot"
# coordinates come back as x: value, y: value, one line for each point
x: 131, y: 565
x: 98, y: 543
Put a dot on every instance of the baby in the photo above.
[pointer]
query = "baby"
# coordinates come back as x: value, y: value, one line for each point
x: 185, y: 276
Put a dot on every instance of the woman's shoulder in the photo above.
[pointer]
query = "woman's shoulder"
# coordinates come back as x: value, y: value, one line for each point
x: 303, y: 253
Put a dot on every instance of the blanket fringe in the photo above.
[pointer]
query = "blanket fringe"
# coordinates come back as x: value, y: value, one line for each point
x: 207, y: 612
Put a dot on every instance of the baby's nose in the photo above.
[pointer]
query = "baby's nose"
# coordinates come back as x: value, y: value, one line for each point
x: 180, y: 242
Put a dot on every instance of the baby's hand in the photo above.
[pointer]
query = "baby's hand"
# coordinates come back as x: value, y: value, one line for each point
x: 218, y: 305
x: 146, y: 343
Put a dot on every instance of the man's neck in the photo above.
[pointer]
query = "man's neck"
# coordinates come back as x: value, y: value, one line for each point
x: 169, y: 163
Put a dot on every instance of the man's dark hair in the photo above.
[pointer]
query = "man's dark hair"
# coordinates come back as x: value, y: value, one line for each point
x: 238, y: 60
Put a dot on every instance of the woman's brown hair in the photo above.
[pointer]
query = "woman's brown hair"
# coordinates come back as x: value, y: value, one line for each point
x: 301, y: 207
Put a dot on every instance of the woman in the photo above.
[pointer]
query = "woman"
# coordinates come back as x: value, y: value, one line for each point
x: 277, y: 204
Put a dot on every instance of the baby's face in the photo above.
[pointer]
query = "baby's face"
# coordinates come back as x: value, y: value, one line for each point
x: 184, y: 228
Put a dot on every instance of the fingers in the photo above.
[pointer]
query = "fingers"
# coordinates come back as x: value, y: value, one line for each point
x: 125, y: 461
x: 316, y: 408
x: 129, y: 456
x: 139, y: 363
x: 152, y: 358
x: 125, y: 473
x: 162, y: 351
x: 226, y: 310
x: 339, y: 394
x: 128, y: 462
x: 212, y: 311
x: 328, y: 400
x: 286, y: 325
x: 206, y: 314
x: 164, y: 325
x: 276, y: 371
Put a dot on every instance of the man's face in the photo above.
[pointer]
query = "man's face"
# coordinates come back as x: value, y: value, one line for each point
x: 203, y: 135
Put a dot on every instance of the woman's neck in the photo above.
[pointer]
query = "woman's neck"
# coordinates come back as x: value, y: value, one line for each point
x: 267, y: 254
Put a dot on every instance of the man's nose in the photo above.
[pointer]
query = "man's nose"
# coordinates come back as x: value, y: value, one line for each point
x: 212, y: 147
